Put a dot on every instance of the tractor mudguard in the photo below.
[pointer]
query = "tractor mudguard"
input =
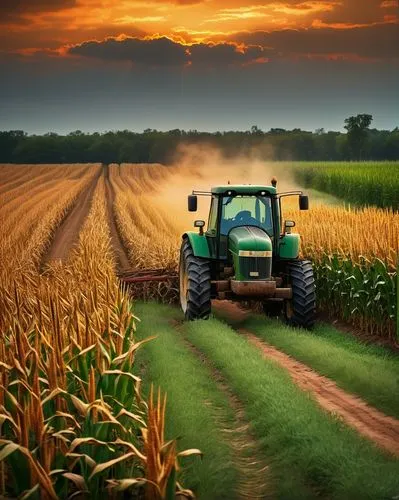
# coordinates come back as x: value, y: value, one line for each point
x: 199, y: 244
x: 289, y: 246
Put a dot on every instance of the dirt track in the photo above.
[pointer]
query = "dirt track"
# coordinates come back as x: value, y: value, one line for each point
x: 119, y: 249
x: 368, y: 421
x: 67, y: 233
x: 254, y: 480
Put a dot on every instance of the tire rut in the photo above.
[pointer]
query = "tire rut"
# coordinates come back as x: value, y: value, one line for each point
x: 368, y: 421
x: 67, y: 234
x: 117, y: 244
x: 254, y: 481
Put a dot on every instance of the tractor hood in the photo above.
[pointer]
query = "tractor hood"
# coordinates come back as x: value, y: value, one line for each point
x: 251, y: 250
x: 250, y: 239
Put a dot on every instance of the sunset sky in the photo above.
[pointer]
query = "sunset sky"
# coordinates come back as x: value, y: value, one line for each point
x: 206, y: 65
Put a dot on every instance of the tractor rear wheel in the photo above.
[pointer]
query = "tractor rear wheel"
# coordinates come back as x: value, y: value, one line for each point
x: 301, y: 309
x: 195, y: 284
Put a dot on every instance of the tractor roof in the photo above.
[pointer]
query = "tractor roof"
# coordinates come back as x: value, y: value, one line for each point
x: 243, y: 189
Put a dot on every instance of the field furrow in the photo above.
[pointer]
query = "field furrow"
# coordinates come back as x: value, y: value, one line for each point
x: 121, y: 255
x: 67, y: 233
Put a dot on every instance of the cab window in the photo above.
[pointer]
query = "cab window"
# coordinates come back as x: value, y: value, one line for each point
x: 246, y: 211
x: 213, y: 216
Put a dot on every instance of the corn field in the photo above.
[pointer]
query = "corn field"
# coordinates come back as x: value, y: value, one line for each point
x: 370, y: 183
x: 73, y: 419
x: 355, y: 254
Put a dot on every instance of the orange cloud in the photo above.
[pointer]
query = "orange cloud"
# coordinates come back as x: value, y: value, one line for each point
x: 49, y: 24
x: 134, y: 20
x: 389, y: 4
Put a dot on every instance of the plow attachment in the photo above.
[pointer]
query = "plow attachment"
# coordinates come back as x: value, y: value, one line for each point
x: 152, y: 284
x: 146, y: 275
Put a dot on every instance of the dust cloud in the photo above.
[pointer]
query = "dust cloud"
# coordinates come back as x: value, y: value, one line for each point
x: 201, y: 167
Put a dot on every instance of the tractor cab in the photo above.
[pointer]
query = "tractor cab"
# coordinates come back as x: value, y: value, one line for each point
x: 245, y: 253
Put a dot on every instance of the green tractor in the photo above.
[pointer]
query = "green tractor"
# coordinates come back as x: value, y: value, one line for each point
x: 246, y: 253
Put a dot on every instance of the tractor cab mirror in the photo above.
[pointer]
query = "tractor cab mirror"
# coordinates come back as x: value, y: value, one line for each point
x: 303, y: 202
x: 288, y: 225
x: 192, y: 203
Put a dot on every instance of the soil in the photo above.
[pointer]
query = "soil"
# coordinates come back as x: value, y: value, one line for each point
x: 67, y: 234
x: 372, y: 423
x: 234, y: 312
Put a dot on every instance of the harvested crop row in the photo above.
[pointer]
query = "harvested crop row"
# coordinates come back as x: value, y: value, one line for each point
x: 147, y: 231
x: 46, y: 176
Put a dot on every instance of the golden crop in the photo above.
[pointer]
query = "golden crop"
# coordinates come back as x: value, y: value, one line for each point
x: 71, y: 412
x: 364, y: 232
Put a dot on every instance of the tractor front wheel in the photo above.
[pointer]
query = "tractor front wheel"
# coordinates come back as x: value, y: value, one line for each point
x: 195, y: 284
x: 301, y: 309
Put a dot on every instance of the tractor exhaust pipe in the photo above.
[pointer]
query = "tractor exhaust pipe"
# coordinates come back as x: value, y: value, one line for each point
x: 274, y: 182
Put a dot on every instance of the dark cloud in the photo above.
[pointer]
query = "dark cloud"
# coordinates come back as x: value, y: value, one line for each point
x: 12, y: 11
x: 379, y: 41
x: 28, y: 6
x: 222, y: 54
x: 157, y: 52
x: 165, y: 52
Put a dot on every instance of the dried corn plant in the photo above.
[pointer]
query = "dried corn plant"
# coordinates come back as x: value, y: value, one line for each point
x: 28, y: 222
x: 149, y: 234
x: 72, y: 418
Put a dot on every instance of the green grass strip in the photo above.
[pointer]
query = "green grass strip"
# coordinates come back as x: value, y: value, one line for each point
x: 192, y: 397
x: 332, y: 458
x: 370, y: 371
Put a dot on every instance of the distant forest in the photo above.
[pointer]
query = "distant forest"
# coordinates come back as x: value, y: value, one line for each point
x: 151, y: 146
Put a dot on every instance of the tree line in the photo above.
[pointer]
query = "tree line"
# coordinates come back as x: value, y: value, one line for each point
x: 360, y: 142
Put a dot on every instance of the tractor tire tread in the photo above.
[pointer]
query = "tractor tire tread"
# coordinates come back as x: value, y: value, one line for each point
x: 303, y: 294
x: 199, y: 284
